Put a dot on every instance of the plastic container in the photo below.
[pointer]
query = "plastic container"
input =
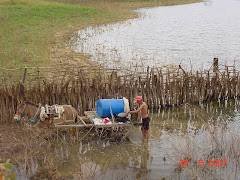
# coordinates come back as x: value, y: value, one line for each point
x: 104, y: 107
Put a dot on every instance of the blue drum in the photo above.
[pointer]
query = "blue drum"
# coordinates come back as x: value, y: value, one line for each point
x: 105, y: 106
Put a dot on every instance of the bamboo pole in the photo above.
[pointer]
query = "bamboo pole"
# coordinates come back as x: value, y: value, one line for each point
x: 158, y: 86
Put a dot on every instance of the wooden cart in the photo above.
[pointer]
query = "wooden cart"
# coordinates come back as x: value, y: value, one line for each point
x: 87, y: 121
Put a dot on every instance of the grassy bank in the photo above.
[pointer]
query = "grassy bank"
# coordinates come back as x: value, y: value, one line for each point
x: 32, y: 32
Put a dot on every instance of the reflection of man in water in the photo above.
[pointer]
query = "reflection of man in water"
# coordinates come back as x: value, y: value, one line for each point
x: 144, y: 115
x: 143, y: 170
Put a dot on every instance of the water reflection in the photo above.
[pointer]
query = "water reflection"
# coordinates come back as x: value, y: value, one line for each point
x: 153, y: 159
x: 202, y: 131
x: 142, y: 171
x: 190, y: 35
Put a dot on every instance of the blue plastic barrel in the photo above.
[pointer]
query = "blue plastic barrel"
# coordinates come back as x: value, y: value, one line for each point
x: 103, y: 107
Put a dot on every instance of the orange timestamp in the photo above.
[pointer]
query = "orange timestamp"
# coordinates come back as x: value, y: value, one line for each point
x: 201, y: 162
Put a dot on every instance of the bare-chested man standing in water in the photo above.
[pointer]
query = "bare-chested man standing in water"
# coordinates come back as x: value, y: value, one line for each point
x: 144, y: 115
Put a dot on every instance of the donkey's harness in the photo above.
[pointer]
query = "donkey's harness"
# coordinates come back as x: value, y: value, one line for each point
x: 53, y: 112
x: 33, y: 120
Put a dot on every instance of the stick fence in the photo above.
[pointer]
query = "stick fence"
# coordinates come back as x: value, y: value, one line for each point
x: 82, y: 86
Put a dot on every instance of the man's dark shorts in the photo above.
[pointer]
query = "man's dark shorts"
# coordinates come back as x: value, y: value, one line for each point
x: 145, y: 123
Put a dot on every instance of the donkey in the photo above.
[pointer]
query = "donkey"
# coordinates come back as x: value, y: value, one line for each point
x: 31, y: 111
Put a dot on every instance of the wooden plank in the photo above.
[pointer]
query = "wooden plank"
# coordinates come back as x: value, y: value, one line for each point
x: 93, y: 125
x: 81, y: 120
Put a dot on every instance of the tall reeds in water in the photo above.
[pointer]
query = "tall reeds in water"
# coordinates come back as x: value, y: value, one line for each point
x: 211, y: 152
x: 82, y: 86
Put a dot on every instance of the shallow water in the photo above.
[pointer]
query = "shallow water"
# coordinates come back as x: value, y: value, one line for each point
x: 190, y: 35
x: 193, y: 33
x: 157, y: 158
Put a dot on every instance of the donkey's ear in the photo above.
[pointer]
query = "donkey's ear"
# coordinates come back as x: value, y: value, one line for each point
x: 21, y: 91
x: 18, y: 101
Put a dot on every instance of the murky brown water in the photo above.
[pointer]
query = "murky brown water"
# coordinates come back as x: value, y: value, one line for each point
x: 166, y: 35
x: 191, y: 35
x: 155, y: 159
x: 158, y: 157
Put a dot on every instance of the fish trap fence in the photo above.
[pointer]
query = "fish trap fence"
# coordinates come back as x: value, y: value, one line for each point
x: 82, y: 86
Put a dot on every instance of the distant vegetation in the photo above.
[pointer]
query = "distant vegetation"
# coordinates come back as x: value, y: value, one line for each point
x: 29, y: 29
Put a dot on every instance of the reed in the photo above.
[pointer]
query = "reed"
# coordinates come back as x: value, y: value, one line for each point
x: 212, y: 151
x: 82, y: 86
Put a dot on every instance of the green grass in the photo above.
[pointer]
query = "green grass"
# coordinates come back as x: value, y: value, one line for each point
x: 29, y: 29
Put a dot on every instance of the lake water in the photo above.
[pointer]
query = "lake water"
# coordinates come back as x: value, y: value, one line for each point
x: 209, y: 131
x: 190, y: 35
x: 157, y: 158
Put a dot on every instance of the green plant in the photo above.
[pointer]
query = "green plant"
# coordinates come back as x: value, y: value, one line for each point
x: 6, y: 170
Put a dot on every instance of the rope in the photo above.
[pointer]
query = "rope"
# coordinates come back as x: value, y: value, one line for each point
x: 111, y: 112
